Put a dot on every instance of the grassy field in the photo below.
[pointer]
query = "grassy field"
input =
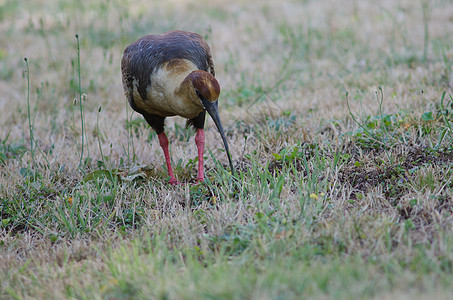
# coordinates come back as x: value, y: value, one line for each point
x: 339, y: 117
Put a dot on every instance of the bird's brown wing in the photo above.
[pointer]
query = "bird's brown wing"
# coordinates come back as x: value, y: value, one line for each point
x: 143, y: 57
x: 210, y: 60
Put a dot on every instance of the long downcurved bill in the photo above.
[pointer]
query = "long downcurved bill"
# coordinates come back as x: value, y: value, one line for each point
x: 213, y: 109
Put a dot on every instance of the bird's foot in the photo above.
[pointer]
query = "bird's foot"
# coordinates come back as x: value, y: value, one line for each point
x: 173, y: 181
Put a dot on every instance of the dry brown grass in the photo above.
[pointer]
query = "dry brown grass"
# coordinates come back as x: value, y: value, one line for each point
x: 320, y: 208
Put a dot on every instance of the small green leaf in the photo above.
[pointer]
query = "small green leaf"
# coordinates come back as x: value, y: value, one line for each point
x: 5, y: 222
x: 413, y: 202
x: 53, y: 238
x: 427, y: 116
x: 100, y: 174
x: 408, y: 225
x: 277, y: 156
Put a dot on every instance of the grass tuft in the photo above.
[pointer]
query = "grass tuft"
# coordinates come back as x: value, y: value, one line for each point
x: 334, y: 196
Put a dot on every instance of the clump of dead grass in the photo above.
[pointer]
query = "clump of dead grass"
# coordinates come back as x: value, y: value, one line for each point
x: 330, y: 194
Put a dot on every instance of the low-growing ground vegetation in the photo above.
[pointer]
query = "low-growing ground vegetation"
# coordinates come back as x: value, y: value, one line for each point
x: 340, y: 123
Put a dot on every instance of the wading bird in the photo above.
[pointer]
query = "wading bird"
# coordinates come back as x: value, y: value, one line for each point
x: 173, y: 74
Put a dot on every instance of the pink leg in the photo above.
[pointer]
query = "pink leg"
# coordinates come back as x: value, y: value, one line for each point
x: 163, y: 140
x: 199, y: 140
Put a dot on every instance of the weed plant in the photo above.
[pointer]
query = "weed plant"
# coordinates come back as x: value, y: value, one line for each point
x: 333, y: 196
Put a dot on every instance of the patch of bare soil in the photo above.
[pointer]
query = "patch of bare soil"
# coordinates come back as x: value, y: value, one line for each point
x: 396, y: 180
x: 362, y: 176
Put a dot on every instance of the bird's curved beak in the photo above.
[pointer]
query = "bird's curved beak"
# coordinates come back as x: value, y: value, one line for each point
x: 213, y: 110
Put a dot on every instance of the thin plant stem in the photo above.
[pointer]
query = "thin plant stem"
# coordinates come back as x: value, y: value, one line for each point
x: 30, y: 126
x: 128, y: 134
x: 380, y: 101
x: 99, y: 135
x: 80, y: 101
x: 448, y: 127
x: 425, y: 8
x: 366, y: 130
x: 130, y: 137
x: 358, y: 123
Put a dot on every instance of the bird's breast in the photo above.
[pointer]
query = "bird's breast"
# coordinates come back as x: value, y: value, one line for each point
x: 165, y: 95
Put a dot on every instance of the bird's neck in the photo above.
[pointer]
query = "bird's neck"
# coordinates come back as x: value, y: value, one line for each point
x: 187, y: 91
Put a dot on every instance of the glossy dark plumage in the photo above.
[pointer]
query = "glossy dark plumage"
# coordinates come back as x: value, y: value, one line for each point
x: 172, y: 74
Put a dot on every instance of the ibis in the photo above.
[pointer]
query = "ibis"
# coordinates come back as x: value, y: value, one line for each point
x: 173, y: 74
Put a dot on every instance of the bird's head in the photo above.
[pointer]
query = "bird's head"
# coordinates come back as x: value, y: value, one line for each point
x: 205, y: 86
x: 207, y: 90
